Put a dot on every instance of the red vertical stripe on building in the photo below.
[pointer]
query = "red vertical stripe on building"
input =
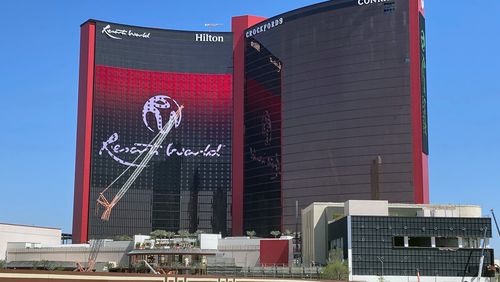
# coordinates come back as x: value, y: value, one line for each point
x: 425, y: 158
x: 420, y: 170
x: 84, y: 134
x: 238, y: 26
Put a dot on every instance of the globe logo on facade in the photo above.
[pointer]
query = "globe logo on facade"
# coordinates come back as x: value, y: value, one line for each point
x: 157, y: 106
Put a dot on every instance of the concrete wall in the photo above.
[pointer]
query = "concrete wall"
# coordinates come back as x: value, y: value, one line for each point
x: 244, y: 250
x: 451, y: 211
x: 209, y: 241
x: 377, y: 208
x: 114, y: 251
x: 315, y: 220
x: 24, y: 233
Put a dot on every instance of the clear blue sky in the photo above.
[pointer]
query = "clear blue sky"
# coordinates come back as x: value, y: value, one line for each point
x: 39, y: 49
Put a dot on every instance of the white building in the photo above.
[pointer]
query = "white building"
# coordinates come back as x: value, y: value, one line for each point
x: 24, y: 254
x: 14, y: 233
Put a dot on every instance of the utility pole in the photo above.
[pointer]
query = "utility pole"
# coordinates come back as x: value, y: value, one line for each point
x: 376, y: 170
x: 297, y: 230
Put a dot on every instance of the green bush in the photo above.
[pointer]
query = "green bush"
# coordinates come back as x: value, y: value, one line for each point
x: 336, y: 270
x: 35, y: 265
x: 3, y: 264
x: 275, y: 233
x: 251, y: 233
x: 122, y: 238
x: 47, y: 265
x: 158, y: 234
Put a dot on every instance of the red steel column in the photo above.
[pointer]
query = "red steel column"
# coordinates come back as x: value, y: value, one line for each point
x: 238, y: 26
x: 420, y: 160
x: 84, y: 134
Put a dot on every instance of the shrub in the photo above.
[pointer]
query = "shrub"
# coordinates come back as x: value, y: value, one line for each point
x: 122, y: 238
x: 251, y: 233
x: 335, y: 270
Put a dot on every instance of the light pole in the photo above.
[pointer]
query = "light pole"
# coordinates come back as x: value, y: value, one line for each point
x: 381, y: 259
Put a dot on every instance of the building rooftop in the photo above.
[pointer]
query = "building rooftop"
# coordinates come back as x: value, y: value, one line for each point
x: 384, y: 208
x: 32, y: 226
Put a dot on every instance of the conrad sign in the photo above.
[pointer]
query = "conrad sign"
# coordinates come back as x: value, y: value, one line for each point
x: 368, y: 2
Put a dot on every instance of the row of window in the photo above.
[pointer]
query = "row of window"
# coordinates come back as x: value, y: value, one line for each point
x: 436, y: 242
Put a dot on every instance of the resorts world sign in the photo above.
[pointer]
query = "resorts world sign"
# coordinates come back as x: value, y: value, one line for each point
x: 157, y: 106
x: 119, y: 33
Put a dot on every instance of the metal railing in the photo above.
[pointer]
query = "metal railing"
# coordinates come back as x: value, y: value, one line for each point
x: 267, y: 272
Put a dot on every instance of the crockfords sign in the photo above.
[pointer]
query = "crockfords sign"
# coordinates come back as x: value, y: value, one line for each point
x: 264, y: 27
x: 205, y: 37
x: 120, y: 33
x: 368, y: 2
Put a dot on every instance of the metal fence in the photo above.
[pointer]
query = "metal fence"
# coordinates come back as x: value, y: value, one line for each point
x: 267, y: 272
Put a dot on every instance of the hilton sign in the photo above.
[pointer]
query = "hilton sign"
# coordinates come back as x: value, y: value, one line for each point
x: 205, y: 37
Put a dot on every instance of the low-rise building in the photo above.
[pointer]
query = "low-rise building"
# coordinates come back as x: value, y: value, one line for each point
x: 26, y: 255
x: 207, y: 251
x: 399, y: 242
x: 26, y: 233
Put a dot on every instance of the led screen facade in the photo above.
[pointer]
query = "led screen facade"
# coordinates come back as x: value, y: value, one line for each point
x: 337, y: 80
x: 140, y: 78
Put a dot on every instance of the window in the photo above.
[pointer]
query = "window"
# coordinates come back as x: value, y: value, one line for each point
x: 419, y: 242
x: 472, y: 243
x: 444, y: 242
x: 399, y: 241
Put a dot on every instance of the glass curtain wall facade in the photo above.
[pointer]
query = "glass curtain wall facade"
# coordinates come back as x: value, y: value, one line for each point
x: 330, y: 84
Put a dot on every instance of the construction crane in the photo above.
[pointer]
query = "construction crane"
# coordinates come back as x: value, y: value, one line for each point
x: 153, y: 148
x: 495, y: 220
x: 493, y: 266
x: 481, y: 260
